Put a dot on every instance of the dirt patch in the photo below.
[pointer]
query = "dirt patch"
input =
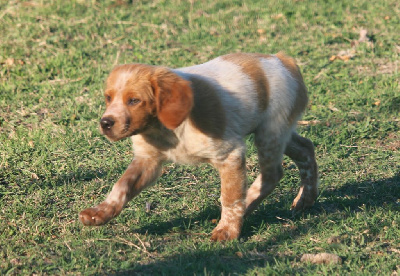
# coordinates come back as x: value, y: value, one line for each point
x: 379, y: 67
x: 392, y: 142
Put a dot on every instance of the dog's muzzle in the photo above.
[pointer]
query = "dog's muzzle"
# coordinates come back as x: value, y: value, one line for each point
x: 106, y: 123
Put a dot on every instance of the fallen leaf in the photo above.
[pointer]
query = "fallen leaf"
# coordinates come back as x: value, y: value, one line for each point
x: 315, y: 240
x: 363, y: 36
x: 332, y: 58
x: 15, y: 261
x: 321, y: 258
x: 214, y: 221
x: 395, y: 250
x: 333, y: 239
x: 126, y: 47
x: 320, y: 73
x: 239, y: 254
x: 263, y: 39
x: 10, y: 61
x: 333, y: 108
x: 344, y: 58
x: 30, y: 4
x: 277, y: 16
x: 42, y: 111
x: 343, y: 55
x: 377, y: 103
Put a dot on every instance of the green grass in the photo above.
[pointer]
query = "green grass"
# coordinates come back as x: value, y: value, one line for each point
x: 54, y: 57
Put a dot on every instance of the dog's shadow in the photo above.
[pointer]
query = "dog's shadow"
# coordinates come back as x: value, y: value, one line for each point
x: 348, y: 198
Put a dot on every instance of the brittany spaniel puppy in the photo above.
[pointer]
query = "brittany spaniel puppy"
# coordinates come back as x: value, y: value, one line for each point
x: 203, y: 113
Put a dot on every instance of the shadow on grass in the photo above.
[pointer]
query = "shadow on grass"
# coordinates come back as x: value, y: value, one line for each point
x: 217, y: 259
x: 79, y: 175
x: 11, y: 183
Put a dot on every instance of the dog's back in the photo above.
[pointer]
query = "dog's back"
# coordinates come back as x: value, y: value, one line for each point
x: 250, y: 88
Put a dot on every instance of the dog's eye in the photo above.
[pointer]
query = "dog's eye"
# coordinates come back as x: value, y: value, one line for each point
x: 133, y: 101
x: 108, y: 98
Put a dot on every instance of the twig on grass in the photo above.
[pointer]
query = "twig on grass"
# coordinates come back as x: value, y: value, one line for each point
x: 68, y: 246
x: 62, y: 81
x: 117, y: 58
x: 365, y: 147
x: 178, y: 186
x: 135, y: 245
x: 124, y: 241
x: 308, y: 123
x: 285, y: 219
x: 143, y: 245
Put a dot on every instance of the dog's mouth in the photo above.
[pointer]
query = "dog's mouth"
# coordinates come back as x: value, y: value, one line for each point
x: 126, y: 129
x: 126, y: 132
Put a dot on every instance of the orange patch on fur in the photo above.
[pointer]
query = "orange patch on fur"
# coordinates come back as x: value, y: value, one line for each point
x: 127, y: 82
x: 233, y: 180
x: 136, y: 74
x: 301, y: 99
x: 207, y: 114
x: 174, y: 97
x: 251, y: 66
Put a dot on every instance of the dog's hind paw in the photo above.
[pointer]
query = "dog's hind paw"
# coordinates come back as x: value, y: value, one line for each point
x: 304, y: 200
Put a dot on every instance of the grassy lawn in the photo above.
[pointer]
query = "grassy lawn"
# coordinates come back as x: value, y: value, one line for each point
x: 54, y: 57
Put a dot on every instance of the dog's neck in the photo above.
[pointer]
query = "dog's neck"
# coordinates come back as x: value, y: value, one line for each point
x: 160, y: 137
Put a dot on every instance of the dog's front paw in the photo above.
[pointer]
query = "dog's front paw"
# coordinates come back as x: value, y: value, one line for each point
x: 304, y: 200
x: 225, y: 232
x: 98, y: 215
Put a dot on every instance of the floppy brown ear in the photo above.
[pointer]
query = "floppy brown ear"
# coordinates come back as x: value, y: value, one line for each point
x: 174, y: 97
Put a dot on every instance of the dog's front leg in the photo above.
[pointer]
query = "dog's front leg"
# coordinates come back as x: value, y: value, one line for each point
x: 233, y: 193
x: 140, y: 174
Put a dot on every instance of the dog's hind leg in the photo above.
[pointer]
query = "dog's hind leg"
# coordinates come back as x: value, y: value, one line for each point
x: 301, y: 151
x: 270, y: 147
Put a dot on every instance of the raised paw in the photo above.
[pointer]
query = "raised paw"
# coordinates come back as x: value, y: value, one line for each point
x: 224, y: 233
x: 304, y: 200
x: 98, y: 215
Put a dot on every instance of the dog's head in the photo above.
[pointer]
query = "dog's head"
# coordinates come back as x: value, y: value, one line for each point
x: 140, y: 96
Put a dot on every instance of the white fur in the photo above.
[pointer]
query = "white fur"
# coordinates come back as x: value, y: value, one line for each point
x: 248, y: 106
x: 238, y: 96
x: 236, y: 91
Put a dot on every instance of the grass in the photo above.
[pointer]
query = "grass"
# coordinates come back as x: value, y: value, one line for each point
x: 54, y: 57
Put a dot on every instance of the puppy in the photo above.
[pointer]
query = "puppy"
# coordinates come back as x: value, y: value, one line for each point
x: 203, y: 113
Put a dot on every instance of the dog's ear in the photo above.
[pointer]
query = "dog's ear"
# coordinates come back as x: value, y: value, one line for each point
x: 174, y: 97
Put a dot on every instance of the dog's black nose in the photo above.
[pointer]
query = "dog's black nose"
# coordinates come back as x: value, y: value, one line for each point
x: 106, y: 122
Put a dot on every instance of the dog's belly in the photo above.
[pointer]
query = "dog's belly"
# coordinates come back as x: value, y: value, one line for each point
x: 191, y: 155
x: 199, y: 149
x: 186, y: 158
